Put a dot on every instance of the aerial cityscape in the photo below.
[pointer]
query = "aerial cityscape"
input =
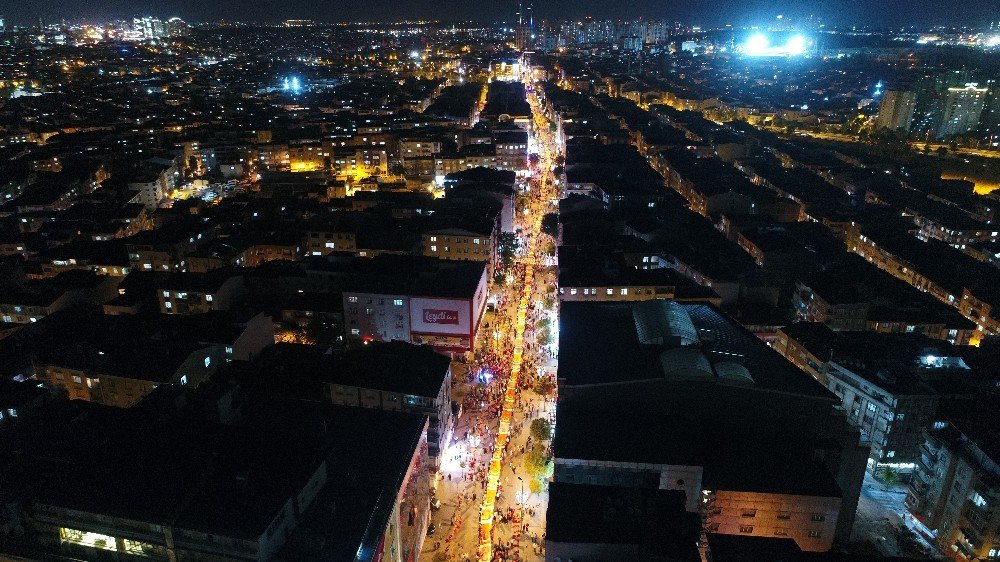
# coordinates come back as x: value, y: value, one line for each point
x: 441, y: 282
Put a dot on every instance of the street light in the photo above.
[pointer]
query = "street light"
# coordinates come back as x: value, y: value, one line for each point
x: 521, y: 480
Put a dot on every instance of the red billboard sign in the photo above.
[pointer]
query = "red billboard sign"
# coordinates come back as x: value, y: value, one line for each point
x: 440, y: 316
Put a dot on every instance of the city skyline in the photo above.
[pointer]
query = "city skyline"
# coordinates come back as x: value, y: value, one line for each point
x: 609, y: 289
x: 877, y: 13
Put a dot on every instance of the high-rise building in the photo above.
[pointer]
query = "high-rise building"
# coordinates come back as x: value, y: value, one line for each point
x: 896, y: 110
x: 962, y: 108
x: 525, y: 28
x: 176, y: 27
x: 989, y: 121
x: 149, y: 27
x: 954, y: 493
x: 633, y: 44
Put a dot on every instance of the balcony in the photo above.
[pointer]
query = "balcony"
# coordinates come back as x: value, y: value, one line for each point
x: 925, y: 465
x: 931, y: 453
x: 914, y: 500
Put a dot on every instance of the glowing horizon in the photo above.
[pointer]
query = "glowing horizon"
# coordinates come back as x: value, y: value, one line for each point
x: 759, y: 45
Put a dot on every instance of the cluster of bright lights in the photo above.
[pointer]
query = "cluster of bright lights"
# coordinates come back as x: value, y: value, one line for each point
x: 993, y: 41
x: 759, y: 45
x: 291, y: 85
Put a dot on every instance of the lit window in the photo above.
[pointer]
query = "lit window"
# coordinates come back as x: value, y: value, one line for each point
x: 330, y: 244
x: 184, y: 379
x: 77, y: 380
x: 890, y: 454
x: 139, y: 548
x: 611, y: 291
x: 398, y: 302
x: 84, y: 538
x: 434, y: 248
x: 624, y: 291
x: 166, y: 293
x: 208, y: 361
x: 572, y: 291
x: 352, y: 299
x: 208, y: 298
x: 355, y: 332
x: 168, y: 305
x: 434, y: 238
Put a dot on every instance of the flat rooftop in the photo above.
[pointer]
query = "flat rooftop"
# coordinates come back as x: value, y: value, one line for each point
x: 600, y: 343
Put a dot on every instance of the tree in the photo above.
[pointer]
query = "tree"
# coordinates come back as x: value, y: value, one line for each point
x: 544, y: 336
x: 550, y: 224
x: 397, y: 170
x: 890, y: 476
x: 322, y: 333
x: 538, y: 463
x: 508, y: 246
x: 541, y: 429
x: 536, y: 486
x: 544, y: 386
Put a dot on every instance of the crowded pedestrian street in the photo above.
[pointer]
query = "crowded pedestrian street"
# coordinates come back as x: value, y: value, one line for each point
x: 492, y: 484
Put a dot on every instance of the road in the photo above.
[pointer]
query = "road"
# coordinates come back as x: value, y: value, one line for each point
x: 917, y: 145
x: 488, y: 511
x: 883, y: 523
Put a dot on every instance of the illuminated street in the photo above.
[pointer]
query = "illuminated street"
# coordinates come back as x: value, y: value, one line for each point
x: 487, y: 506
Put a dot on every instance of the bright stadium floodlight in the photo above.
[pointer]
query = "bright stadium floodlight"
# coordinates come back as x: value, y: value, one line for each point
x: 757, y: 45
x: 796, y: 45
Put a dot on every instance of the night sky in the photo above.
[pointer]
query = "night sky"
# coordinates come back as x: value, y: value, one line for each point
x: 739, y: 12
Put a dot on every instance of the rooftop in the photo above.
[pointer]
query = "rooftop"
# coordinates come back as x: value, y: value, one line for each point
x: 580, y: 513
x: 619, y: 334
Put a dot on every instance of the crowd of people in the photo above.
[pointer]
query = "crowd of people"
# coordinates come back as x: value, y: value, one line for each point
x: 486, y: 379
